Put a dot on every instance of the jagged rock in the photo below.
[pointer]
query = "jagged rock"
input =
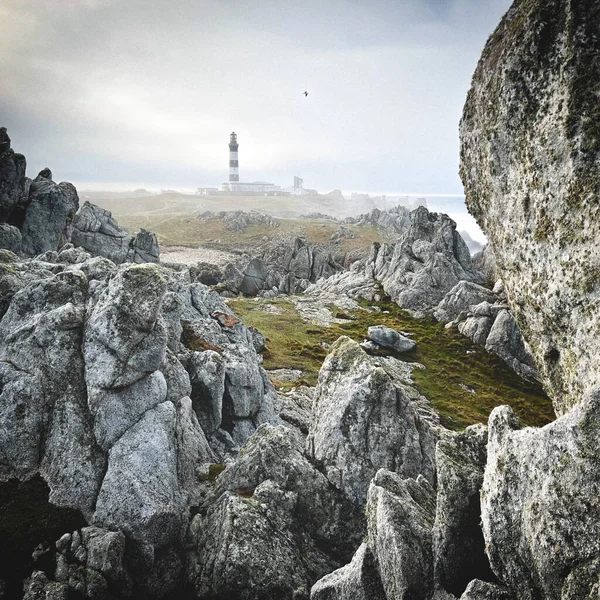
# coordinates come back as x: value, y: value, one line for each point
x: 97, y: 231
x: 389, y: 338
x: 12, y: 178
x: 291, y: 527
x: 505, y: 340
x: 485, y: 261
x: 529, y: 164
x: 207, y: 376
x: 44, y: 421
x: 49, y: 215
x: 539, y: 503
x: 254, y: 278
x: 258, y: 339
x: 244, y: 551
x: 395, y: 220
x: 358, y: 580
x: 482, y: 590
x: 10, y: 237
x: 363, y: 422
x: 400, y: 514
x: 295, y: 407
x: 426, y: 263
x: 140, y: 493
x: 459, y: 549
x: 350, y: 284
x: 239, y: 220
x: 460, y: 299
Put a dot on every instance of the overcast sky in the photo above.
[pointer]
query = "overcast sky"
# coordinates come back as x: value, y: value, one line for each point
x: 144, y: 93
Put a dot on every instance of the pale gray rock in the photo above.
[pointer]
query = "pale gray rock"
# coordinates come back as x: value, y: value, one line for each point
x: 95, y: 229
x: 140, y: 493
x: 276, y: 453
x: 363, y: 421
x: 458, y: 545
x: 529, y: 164
x: 13, y: 189
x: 44, y: 421
x: 400, y: 516
x: 243, y: 549
x: 539, y: 503
x: 258, y: 339
x: 49, y: 215
x: 254, y: 278
x: 461, y: 298
x: 428, y: 260
x: 244, y: 387
x: 506, y: 341
x: 483, y: 590
x: 390, y: 339
x: 358, y: 580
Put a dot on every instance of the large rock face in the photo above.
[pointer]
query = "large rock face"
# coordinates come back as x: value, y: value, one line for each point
x: 539, y: 502
x: 530, y: 141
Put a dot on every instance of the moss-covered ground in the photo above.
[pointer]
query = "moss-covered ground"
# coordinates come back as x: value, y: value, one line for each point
x: 452, y: 362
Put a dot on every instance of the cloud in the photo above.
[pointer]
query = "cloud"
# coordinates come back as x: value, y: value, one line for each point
x: 149, y: 91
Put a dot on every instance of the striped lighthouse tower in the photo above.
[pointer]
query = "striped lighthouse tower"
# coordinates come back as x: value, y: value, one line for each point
x: 234, y: 174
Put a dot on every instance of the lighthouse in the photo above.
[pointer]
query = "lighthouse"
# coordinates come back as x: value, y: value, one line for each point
x: 234, y: 174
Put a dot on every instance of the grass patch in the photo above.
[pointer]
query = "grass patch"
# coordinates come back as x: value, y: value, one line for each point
x: 186, y: 230
x: 450, y: 359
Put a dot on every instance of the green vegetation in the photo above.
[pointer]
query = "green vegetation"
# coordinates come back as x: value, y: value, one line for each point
x: 450, y: 359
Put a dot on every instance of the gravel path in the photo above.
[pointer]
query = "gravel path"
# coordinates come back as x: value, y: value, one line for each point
x: 192, y: 256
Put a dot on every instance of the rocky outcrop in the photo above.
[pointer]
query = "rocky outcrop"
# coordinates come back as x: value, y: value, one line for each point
x: 13, y: 185
x: 95, y: 230
x: 363, y: 421
x: 483, y: 316
x: 39, y: 216
x: 94, y: 394
x: 49, y: 215
x: 539, y: 503
x: 358, y: 580
x: 282, y: 267
x: 529, y: 163
x: 239, y: 220
x: 396, y: 220
x: 457, y: 536
x: 428, y: 260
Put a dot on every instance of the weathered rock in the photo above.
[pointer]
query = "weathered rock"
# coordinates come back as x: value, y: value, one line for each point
x: 390, y: 339
x: 44, y: 420
x: 10, y: 237
x: 461, y: 298
x: 358, y: 580
x: 529, y: 163
x: 506, y: 341
x: 207, y: 376
x: 459, y: 549
x: 425, y: 264
x: 363, y: 422
x: 49, y: 215
x: 12, y: 177
x: 539, y: 503
x: 96, y: 230
x: 140, y: 493
x: 254, y: 278
x: 400, y: 514
x: 277, y: 520
x: 482, y: 590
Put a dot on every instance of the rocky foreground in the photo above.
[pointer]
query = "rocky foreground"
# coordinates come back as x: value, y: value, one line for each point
x: 135, y: 399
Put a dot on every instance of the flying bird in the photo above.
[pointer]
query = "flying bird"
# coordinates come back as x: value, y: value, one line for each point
x: 305, y: 94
